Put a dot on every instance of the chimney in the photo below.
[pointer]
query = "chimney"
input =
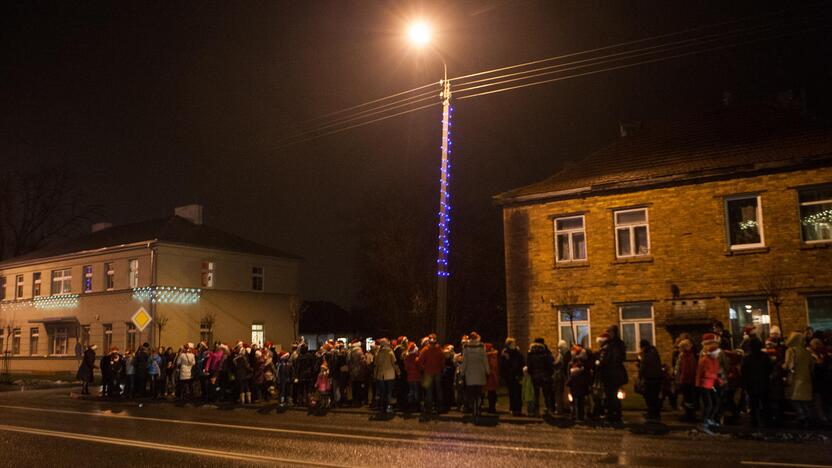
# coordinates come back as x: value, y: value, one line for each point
x: 192, y: 213
x: 100, y: 227
x: 629, y: 127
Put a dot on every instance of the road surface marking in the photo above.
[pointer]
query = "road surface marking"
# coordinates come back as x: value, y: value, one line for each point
x: 433, y: 442
x: 796, y: 465
x: 159, y: 446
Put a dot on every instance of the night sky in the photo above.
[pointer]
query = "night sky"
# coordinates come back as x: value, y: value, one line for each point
x: 159, y: 104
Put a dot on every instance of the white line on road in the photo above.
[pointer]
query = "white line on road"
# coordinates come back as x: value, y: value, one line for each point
x: 795, y: 465
x: 159, y: 446
x: 430, y: 442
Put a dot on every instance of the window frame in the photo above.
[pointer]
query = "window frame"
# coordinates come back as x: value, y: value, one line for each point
x: 2, y: 288
x: 131, y: 333
x: 207, y: 278
x: 86, y: 285
x: 107, y: 339
x: 56, y: 334
x: 760, y: 221
x: 261, y: 276
x: 800, y: 206
x: 569, y: 233
x: 636, y: 322
x: 631, y: 229
x: 575, y: 324
x: 85, y: 332
x: 18, y: 286
x: 806, y: 300
x: 261, y: 332
x: 133, y: 273
x: 109, y: 276
x: 37, y: 284
x: 64, y: 279
x: 16, y: 336
x: 34, y: 340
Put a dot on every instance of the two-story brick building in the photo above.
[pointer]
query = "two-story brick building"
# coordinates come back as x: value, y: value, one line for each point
x: 726, y: 216
x: 208, y: 284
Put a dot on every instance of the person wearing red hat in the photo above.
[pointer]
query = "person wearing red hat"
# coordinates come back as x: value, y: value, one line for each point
x: 414, y: 377
x: 709, y: 380
x: 431, y: 361
x: 493, y: 381
x: 475, y: 371
x: 685, y: 375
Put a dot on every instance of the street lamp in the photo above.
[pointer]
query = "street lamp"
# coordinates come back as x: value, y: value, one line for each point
x: 419, y: 34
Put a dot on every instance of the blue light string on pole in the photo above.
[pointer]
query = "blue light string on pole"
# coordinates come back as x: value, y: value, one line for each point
x: 444, y: 213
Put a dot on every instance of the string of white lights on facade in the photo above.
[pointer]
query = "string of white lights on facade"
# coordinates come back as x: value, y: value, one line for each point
x: 167, y: 295
x: 59, y: 301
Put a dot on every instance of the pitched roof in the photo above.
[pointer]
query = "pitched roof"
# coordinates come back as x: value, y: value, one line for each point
x: 732, y: 140
x: 174, y: 229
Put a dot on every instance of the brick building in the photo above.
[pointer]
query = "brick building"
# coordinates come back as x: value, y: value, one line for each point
x: 675, y: 225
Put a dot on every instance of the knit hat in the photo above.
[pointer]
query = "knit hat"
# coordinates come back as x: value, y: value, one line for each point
x: 709, y: 339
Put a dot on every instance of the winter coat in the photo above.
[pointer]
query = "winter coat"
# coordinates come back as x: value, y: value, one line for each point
x: 541, y: 363
x: 185, y: 362
x: 140, y: 362
x: 411, y: 367
x: 259, y: 370
x: 756, y: 372
x: 130, y: 365
x: 85, y: 370
x: 650, y: 366
x: 798, y: 365
x: 686, y: 368
x: 611, y: 363
x: 305, y: 370
x: 358, y: 365
x: 493, y: 380
x: 511, y: 365
x: 579, y: 382
x: 708, y: 372
x: 474, y: 363
x: 385, y: 362
x: 213, y: 361
x: 242, y: 368
x: 154, y: 365
x: 106, y: 368
x: 432, y: 359
x: 285, y: 372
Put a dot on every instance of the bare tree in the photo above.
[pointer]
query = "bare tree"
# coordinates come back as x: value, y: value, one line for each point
x: 161, y: 323
x: 566, y: 303
x: 773, y: 285
x: 38, y: 207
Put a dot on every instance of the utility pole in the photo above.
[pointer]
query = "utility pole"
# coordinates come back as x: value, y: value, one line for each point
x: 444, y: 215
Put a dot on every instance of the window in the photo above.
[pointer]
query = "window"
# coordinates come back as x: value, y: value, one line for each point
x: 34, y: 336
x: 744, y: 312
x: 632, y: 234
x: 257, y: 333
x: 577, y: 326
x: 133, y: 273
x: 2, y: 287
x: 257, y: 278
x: 3, y: 340
x: 205, y: 333
x: 59, y: 341
x: 570, y: 239
x: 109, y: 276
x: 61, y: 281
x: 85, y: 336
x: 36, y: 284
x: 131, y: 337
x: 207, y: 274
x: 745, y: 222
x: 16, y: 341
x: 18, y: 289
x: 816, y: 214
x: 636, y: 325
x: 108, y: 337
x: 820, y: 312
x: 87, y: 278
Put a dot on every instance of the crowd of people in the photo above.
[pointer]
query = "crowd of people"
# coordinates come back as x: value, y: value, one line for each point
x: 716, y: 379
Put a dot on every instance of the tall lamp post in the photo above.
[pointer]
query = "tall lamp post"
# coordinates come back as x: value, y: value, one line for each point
x: 420, y: 35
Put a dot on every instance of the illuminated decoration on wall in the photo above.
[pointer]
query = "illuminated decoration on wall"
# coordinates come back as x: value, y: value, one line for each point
x: 748, y: 224
x: 16, y: 305
x: 58, y: 301
x: 167, y: 295
x: 445, y: 208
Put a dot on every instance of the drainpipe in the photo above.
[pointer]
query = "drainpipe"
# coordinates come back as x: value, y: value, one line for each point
x: 153, y: 261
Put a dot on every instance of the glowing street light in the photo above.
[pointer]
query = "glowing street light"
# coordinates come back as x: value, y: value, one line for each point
x: 419, y: 34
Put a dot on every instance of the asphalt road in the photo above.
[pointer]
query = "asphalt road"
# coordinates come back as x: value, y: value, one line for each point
x: 50, y: 428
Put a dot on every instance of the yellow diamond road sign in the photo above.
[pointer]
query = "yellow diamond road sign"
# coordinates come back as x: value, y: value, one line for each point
x: 141, y: 319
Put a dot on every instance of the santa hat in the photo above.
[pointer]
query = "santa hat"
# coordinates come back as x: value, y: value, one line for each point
x: 576, y: 348
x: 709, y: 339
x: 269, y: 344
x: 749, y: 330
x: 488, y: 347
x: 474, y: 336
x: 425, y: 341
x: 449, y: 348
x: 189, y: 346
x: 402, y: 340
x: 412, y: 347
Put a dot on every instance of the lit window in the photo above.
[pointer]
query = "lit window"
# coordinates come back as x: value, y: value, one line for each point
x: 820, y: 312
x: 744, y: 312
x: 34, y: 336
x: 636, y: 325
x: 108, y: 337
x: 207, y: 274
x: 18, y: 290
x: 110, y: 275
x: 745, y: 222
x: 59, y: 341
x: 570, y: 239
x: 574, y: 321
x: 632, y: 233
x: 2, y: 287
x: 16, y: 341
x: 133, y: 273
x: 61, y: 281
x: 257, y: 278
x: 87, y: 278
x: 816, y: 214
x: 131, y: 337
x: 36, y: 282
x: 257, y: 333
